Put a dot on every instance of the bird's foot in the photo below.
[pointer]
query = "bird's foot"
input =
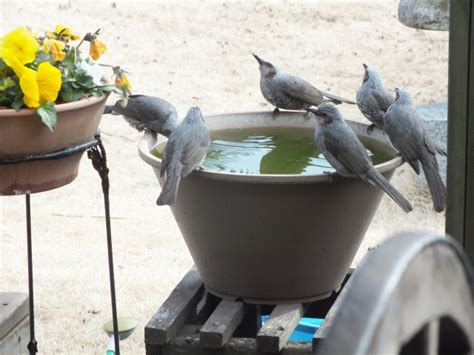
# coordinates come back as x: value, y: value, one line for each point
x: 307, y: 115
x: 275, y: 113
x: 370, y: 128
x: 200, y: 168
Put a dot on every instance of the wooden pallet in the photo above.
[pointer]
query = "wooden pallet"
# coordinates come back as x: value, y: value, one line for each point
x: 193, y: 321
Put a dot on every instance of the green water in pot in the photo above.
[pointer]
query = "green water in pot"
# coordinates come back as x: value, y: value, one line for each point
x: 272, y: 150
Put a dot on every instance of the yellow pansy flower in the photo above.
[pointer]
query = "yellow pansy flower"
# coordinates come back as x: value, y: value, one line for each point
x: 40, y: 86
x: 62, y: 32
x: 97, y: 48
x: 55, y: 47
x: 17, y: 67
x: 121, y: 80
x: 18, y: 44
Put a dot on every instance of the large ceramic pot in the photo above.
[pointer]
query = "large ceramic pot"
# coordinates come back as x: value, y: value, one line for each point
x: 22, y: 133
x: 273, y: 238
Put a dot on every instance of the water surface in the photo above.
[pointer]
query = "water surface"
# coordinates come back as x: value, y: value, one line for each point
x: 272, y: 150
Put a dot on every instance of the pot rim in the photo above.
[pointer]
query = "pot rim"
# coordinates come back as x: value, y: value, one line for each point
x: 148, y: 141
x: 68, y: 106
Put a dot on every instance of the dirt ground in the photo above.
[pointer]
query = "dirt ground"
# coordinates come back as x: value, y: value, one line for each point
x: 194, y: 53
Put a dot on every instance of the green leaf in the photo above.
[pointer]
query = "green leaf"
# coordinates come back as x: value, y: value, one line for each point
x: 43, y: 57
x: 47, y: 112
x: 6, y: 84
x: 69, y: 61
x: 69, y: 94
x: 17, y: 102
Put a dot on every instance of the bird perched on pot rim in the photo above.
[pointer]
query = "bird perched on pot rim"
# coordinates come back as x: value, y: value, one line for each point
x: 373, y: 99
x: 146, y: 113
x: 290, y: 92
x: 408, y: 135
x: 186, y: 149
x: 343, y: 150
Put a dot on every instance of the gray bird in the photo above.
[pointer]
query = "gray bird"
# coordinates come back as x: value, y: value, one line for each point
x: 186, y: 149
x: 408, y: 135
x: 146, y: 113
x: 373, y: 99
x: 290, y: 92
x: 343, y: 150
x: 406, y: 100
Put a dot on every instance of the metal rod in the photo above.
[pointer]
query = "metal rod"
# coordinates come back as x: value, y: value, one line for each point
x: 33, y: 344
x: 99, y: 161
x: 111, y: 269
x: 59, y: 154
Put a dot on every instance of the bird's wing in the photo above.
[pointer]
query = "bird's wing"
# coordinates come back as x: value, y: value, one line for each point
x: 300, y: 89
x: 429, y: 143
x: 348, y: 151
x: 382, y: 98
x: 145, y: 108
x: 146, y: 113
x: 405, y: 134
x: 194, y: 151
x: 168, y: 154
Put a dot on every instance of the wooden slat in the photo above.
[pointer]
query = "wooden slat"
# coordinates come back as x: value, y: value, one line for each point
x: 251, y: 323
x: 178, y: 307
x: 205, y: 307
x: 189, y: 345
x: 275, y: 332
x: 459, y: 94
x: 221, y: 324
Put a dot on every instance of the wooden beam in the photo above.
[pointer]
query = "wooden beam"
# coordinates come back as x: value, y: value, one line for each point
x: 189, y: 345
x: 276, y: 331
x: 460, y: 168
x: 221, y: 324
x: 468, y: 242
x: 176, y: 310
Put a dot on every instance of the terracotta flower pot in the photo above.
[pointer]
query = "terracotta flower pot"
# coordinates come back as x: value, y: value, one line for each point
x: 273, y: 238
x: 22, y: 133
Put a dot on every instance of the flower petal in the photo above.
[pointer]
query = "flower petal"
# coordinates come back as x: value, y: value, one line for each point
x: 54, y: 47
x: 62, y: 31
x: 49, y: 82
x: 97, y: 48
x: 19, y: 44
x: 29, y: 87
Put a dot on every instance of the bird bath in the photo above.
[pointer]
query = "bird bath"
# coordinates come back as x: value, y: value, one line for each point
x: 273, y: 238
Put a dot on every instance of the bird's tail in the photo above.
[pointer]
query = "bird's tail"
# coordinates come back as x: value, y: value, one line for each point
x: 383, y: 183
x: 170, y: 188
x: 337, y: 99
x: 435, y: 183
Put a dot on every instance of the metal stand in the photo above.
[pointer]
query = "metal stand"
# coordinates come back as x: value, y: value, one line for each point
x: 95, y: 152
x: 32, y: 345
x: 99, y: 161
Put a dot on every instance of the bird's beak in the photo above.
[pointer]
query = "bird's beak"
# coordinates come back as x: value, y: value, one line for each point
x: 365, y: 66
x: 312, y: 110
x: 258, y: 58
